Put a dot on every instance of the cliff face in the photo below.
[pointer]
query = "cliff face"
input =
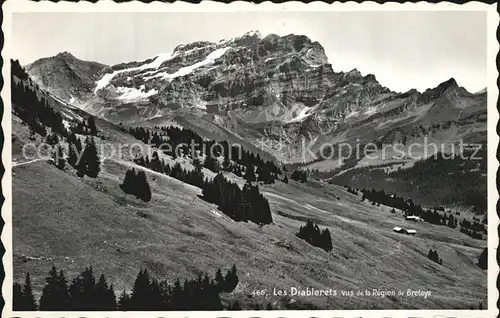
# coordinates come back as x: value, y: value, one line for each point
x: 271, y: 78
x: 274, y: 88
x: 65, y: 76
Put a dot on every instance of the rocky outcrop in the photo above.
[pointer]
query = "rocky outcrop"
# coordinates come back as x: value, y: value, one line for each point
x: 66, y: 76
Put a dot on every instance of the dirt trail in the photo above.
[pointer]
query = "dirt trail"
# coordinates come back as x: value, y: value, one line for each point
x: 17, y: 164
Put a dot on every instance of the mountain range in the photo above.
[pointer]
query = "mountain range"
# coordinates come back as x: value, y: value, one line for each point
x: 274, y: 88
x: 278, y: 95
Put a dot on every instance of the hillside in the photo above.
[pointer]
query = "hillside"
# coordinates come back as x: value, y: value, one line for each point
x: 458, y: 183
x: 177, y: 234
x: 279, y: 97
x: 75, y: 222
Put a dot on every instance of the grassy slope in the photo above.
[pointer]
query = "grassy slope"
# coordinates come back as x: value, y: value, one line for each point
x: 197, y: 121
x: 71, y: 222
x: 74, y: 223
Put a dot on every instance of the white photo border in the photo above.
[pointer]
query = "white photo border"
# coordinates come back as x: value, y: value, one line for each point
x: 14, y: 6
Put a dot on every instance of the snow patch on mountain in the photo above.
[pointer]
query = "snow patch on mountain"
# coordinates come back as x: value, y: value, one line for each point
x: 133, y: 94
x: 200, y: 103
x: 352, y: 114
x: 208, y: 61
x: 370, y: 111
x: 219, y: 120
x: 160, y: 58
x: 309, y: 59
x: 302, y: 113
x: 104, y: 81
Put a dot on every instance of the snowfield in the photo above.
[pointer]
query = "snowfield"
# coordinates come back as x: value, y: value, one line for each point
x: 133, y: 94
x: 160, y: 58
x: 129, y: 94
x: 208, y: 61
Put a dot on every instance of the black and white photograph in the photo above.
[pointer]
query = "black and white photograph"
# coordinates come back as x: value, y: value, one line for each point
x: 169, y: 158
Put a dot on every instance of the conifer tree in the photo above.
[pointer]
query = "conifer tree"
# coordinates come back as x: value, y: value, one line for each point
x: 91, y: 159
x: 326, y: 240
x: 124, y: 301
x: 211, y: 163
x: 17, y: 298
x: 136, y: 184
x: 226, y: 164
x: 231, y: 280
x: 140, y: 292
x: 72, y: 156
x: 55, y: 295
x: 48, y: 300
x: 92, y: 126
x: 88, y: 283
x: 81, y: 166
x: 128, y: 182
x: 298, y: 175
x: 62, y: 284
x: 264, y: 174
x: 313, y: 235
x: 75, y: 290
x: 303, y: 177
x: 52, y: 139
x: 29, y: 303
x: 483, y: 259
x: 177, y: 295
x: 433, y: 255
x: 81, y: 291
x: 144, y: 190
x: 206, y: 281
x: 58, y: 157
x: 196, y: 176
x: 104, y: 295
x: 249, y: 173
x: 219, y: 280
x: 78, y: 144
x: 110, y: 298
x: 85, y: 294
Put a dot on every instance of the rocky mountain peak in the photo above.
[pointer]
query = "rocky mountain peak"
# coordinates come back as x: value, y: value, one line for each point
x: 65, y: 76
x: 449, y: 83
x: 251, y: 33
x: 66, y: 56
x: 247, y: 39
x: 370, y: 77
x: 192, y: 46
x: 354, y: 73
x: 448, y: 86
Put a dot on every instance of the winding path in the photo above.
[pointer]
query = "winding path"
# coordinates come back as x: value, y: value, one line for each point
x: 17, y: 164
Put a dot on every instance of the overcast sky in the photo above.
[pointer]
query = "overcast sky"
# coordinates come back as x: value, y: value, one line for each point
x: 402, y: 49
